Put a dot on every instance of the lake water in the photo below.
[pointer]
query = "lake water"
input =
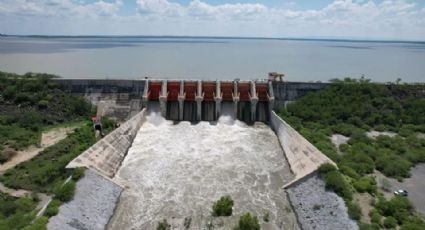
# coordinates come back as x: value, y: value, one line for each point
x: 212, y: 58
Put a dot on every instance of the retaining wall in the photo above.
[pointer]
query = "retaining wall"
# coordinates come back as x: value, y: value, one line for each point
x: 303, y: 157
x: 106, y: 155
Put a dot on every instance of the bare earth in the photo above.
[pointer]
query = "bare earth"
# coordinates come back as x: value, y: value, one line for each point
x: 338, y: 139
x: 48, y: 138
x: 374, y: 134
x: 415, y: 186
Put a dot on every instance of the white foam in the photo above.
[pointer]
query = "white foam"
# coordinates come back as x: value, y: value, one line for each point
x: 176, y: 171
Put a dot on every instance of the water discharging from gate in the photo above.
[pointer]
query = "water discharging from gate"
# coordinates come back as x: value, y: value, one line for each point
x: 177, y: 171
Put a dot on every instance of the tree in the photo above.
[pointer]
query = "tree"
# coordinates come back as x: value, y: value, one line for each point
x: 248, y: 222
x: 66, y: 192
x: 223, y: 207
x: 163, y: 225
x: 390, y: 222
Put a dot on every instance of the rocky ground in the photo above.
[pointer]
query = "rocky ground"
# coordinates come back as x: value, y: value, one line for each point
x: 317, y: 208
x: 93, y: 204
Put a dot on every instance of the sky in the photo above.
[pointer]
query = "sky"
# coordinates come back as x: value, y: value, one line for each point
x: 351, y: 19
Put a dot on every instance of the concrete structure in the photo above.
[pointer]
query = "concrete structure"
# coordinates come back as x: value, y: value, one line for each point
x: 106, y: 155
x: 124, y: 97
x: 303, y: 157
x: 202, y: 100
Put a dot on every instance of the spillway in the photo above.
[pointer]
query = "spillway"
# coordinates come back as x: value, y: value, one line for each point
x: 177, y: 171
x: 204, y: 100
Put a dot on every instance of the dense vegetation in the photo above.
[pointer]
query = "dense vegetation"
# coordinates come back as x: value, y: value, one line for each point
x: 352, y: 108
x: 30, y: 102
x: 16, y: 213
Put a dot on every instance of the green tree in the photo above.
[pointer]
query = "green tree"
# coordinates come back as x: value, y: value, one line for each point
x: 248, y: 222
x: 223, y: 207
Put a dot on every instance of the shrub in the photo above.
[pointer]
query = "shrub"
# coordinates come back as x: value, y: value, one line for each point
x: 375, y: 217
x: 6, y: 155
x: 349, y: 171
x: 327, y: 167
x: 43, y: 104
x: 366, y: 184
x: 396, y: 204
x: 413, y: 223
x: 53, y: 208
x: 373, y: 226
x: 78, y: 173
x: 10, y: 92
x: 66, y: 192
x: 354, y: 211
x: 266, y: 217
x: 163, y: 225
x: 393, y: 166
x: 43, y: 172
x: 336, y: 182
x: 223, y: 207
x: 39, y: 224
x: 390, y: 222
x: 187, y: 222
x: 248, y: 222
x: 30, y: 120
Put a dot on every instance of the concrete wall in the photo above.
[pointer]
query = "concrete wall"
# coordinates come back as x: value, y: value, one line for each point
x: 133, y: 87
x: 95, y: 90
x: 303, y: 157
x: 290, y: 91
x: 106, y: 155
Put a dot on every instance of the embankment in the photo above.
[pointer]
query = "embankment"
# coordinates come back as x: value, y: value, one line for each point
x: 303, y: 157
x: 106, y: 155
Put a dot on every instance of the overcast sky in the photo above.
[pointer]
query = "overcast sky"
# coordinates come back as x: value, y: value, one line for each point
x: 362, y: 19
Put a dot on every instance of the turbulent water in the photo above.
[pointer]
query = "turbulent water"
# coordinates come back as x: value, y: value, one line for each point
x: 212, y: 58
x: 177, y: 171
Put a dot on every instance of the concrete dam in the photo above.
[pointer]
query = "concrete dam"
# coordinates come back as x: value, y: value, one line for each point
x: 184, y: 144
x: 205, y: 100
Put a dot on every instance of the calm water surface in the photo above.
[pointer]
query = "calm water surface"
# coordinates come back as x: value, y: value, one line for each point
x: 212, y: 58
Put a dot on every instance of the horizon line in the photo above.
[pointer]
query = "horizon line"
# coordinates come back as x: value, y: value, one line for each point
x: 222, y: 37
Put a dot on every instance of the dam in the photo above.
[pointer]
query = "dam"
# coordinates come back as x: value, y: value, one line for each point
x: 184, y: 144
x: 203, y: 100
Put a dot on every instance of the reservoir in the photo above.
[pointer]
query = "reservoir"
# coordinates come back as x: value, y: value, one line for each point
x: 212, y: 58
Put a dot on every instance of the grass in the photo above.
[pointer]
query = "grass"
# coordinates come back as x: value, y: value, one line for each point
x: 46, y: 171
x: 16, y: 213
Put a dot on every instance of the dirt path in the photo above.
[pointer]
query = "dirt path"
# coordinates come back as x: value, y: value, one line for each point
x: 48, y: 138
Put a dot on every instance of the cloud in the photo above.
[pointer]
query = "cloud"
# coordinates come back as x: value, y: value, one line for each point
x: 400, y: 19
x: 59, y: 8
x: 158, y: 7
